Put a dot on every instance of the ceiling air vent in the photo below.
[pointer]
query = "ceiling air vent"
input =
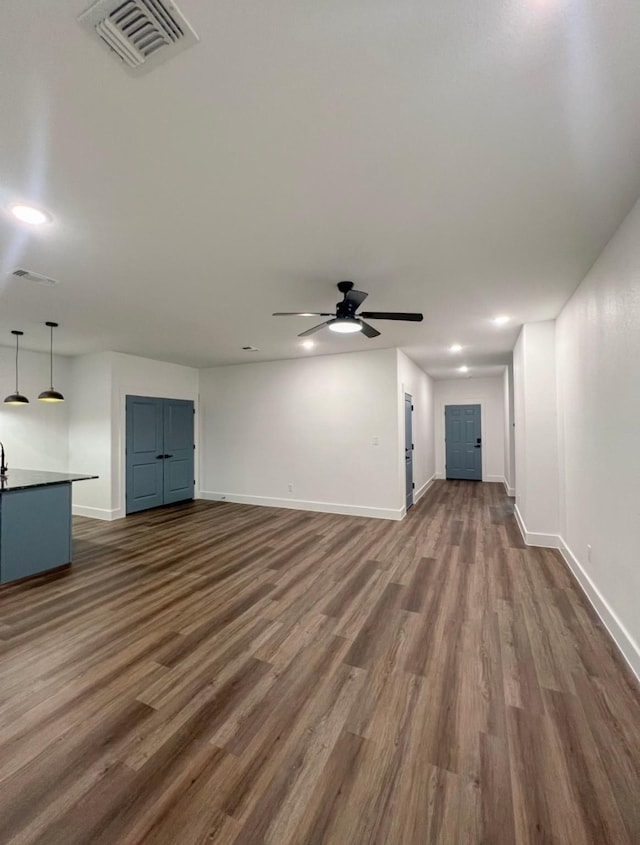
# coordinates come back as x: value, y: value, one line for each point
x: 142, y: 33
x: 28, y: 276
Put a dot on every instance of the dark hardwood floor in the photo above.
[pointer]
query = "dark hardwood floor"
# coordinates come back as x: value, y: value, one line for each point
x: 217, y: 673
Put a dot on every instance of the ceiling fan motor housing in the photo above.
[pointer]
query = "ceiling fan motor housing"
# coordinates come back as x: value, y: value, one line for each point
x: 346, y: 308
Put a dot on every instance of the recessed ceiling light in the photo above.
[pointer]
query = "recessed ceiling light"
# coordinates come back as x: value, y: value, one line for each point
x: 30, y: 214
x: 463, y: 369
x: 501, y: 320
x: 455, y: 348
x: 308, y: 344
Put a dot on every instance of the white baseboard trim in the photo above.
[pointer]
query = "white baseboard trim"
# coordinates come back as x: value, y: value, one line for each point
x: 422, y: 490
x: 511, y: 491
x: 303, y: 505
x: 96, y: 513
x: 627, y: 647
x: 625, y: 643
x: 531, y: 538
x: 498, y: 479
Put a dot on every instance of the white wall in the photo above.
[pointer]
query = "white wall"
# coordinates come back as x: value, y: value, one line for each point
x: 413, y: 380
x: 90, y: 403
x: 520, y: 422
x: 311, y: 423
x: 136, y: 376
x: 35, y: 436
x: 536, y: 432
x: 487, y: 392
x: 509, y: 439
x: 97, y: 431
x: 598, y: 350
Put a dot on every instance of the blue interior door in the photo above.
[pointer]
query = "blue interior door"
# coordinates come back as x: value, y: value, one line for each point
x: 160, y: 452
x: 145, y: 438
x: 463, y: 437
x: 408, y: 450
x: 178, y: 448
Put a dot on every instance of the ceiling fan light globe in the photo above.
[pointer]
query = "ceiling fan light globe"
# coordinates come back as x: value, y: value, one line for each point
x: 345, y: 326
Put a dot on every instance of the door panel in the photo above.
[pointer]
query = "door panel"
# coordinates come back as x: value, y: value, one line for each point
x: 145, y: 430
x: 178, y: 444
x: 408, y: 450
x: 463, y: 436
x: 145, y: 480
x: 144, y: 438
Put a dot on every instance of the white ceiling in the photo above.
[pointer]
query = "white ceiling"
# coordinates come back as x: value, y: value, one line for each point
x: 459, y: 158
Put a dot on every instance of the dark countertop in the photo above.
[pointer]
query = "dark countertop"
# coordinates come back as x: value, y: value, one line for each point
x: 19, y: 479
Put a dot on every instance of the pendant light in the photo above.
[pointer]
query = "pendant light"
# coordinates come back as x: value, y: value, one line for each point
x: 51, y: 395
x: 16, y: 398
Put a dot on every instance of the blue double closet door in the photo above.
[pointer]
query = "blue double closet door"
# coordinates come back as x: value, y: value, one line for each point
x: 160, y: 452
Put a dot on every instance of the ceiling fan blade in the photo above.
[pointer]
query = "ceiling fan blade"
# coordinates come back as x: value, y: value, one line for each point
x: 314, y: 329
x: 355, y: 297
x: 368, y: 330
x: 391, y: 315
x: 301, y: 314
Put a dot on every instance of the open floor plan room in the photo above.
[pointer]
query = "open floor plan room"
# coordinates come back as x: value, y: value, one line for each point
x: 219, y: 673
x: 319, y: 403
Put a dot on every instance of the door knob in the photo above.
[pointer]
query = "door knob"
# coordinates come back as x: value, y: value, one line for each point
x: 167, y: 456
x: 159, y: 457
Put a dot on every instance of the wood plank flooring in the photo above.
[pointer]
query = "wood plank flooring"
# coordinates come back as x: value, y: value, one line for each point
x: 217, y: 673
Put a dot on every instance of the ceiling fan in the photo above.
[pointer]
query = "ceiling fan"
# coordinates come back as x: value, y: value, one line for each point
x: 345, y: 320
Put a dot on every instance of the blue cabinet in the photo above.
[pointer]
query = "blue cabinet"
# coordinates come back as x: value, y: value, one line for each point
x: 35, y: 521
x: 35, y: 530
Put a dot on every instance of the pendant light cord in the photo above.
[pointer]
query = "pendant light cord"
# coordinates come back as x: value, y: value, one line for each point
x: 17, y: 342
x: 51, y: 355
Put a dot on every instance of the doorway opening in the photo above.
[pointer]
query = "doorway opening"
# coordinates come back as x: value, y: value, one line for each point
x: 408, y: 450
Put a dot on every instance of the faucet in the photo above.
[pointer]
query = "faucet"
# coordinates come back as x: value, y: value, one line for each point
x: 3, y: 466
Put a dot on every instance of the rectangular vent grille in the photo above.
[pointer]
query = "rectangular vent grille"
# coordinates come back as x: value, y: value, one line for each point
x: 142, y: 33
x: 28, y: 276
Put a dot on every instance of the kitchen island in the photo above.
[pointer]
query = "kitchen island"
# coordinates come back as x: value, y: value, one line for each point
x: 35, y: 521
